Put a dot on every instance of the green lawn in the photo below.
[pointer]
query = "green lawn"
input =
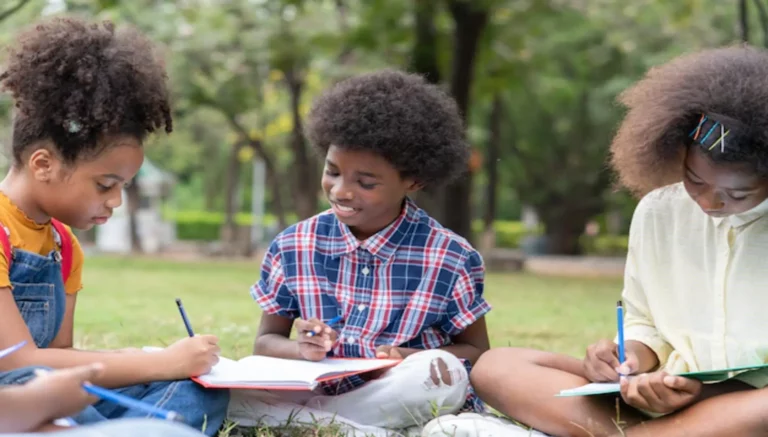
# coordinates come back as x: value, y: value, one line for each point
x: 130, y: 302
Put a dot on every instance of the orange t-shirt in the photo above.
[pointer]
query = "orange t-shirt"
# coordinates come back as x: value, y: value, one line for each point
x: 36, y: 238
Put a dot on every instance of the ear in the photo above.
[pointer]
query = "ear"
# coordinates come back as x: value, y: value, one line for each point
x: 43, y: 164
x: 413, y: 185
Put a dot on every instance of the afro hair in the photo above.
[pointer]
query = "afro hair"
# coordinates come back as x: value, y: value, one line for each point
x: 674, y: 101
x: 75, y: 82
x: 399, y: 116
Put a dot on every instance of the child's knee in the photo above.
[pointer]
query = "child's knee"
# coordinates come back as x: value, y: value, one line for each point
x: 495, y: 361
x: 445, y: 370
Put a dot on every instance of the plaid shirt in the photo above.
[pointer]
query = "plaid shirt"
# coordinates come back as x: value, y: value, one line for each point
x: 414, y: 284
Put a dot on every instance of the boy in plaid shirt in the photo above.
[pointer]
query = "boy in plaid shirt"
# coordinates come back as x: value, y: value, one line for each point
x: 404, y: 286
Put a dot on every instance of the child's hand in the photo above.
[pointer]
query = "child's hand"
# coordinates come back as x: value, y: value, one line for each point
x: 659, y: 392
x: 602, y: 362
x: 314, y: 347
x: 60, y: 393
x: 388, y: 352
x: 191, y: 356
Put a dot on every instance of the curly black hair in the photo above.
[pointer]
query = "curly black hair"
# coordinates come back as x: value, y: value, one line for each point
x: 411, y: 123
x: 75, y: 82
x: 726, y: 85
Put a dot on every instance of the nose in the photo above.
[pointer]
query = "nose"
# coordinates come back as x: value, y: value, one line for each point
x: 341, y: 191
x: 710, y: 201
x: 115, y: 200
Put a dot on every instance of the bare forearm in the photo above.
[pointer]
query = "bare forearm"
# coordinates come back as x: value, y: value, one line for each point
x: 18, y: 412
x: 274, y: 345
x: 120, y: 370
x: 739, y: 413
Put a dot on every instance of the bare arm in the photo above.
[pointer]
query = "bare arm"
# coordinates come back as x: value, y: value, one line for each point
x: 65, y: 338
x: 468, y: 345
x: 273, y: 338
x: 120, y: 369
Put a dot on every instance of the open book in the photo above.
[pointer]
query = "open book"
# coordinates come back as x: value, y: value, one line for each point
x: 267, y: 373
x: 601, y: 388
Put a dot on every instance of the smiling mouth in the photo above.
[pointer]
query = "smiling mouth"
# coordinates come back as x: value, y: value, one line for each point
x: 344, y: 211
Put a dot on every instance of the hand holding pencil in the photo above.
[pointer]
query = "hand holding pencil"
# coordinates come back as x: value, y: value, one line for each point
x: 194, y: 355
x: 315, y: 338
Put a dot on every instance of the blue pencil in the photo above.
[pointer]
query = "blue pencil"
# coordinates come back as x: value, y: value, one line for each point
x: 620, y: 322
x: 12, y: 349
x: 185, y: 318
x: 331, y: 322
x: 125, y: 401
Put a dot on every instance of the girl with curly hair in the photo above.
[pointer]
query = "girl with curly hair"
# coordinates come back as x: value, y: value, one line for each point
x: 86, y: 96
x: 694, y: 144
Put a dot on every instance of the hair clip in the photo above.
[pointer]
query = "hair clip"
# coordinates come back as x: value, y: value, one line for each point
x: 73, y: 127
x: 702, y: 134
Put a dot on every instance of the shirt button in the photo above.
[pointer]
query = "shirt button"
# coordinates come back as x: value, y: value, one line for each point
x: 366, y: 270
x: 350, y: 339
x: 361, y: 307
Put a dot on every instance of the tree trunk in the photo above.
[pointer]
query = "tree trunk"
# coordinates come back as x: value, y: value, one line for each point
x: 273, y: 182
x: 762, y: 15
x: 133, y: 195
x: 469, y: 22
x: 305, y: 182
x: 424, y: 62
x: 229, y: 229
x: 13, y: 9
x: 273, y: 178
x: 566, y: 220
x: 491, y: 167
x: 563, y: 235
x: 743, y: 21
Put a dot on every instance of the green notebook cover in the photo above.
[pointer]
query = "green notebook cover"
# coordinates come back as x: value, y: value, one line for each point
x: 703, y: 376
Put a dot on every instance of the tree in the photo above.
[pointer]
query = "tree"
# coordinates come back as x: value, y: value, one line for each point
x: 469, y: 20
x: 6, y: 13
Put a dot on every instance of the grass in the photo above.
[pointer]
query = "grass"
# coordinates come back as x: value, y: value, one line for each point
x: 130, y: 302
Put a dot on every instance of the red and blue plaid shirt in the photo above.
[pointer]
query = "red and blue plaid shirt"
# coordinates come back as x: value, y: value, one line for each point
x: 414, y: 284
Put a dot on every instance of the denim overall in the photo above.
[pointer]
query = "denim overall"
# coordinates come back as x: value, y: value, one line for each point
x: 38, y: 290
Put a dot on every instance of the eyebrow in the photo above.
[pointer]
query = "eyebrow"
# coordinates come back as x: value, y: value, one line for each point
x: 360, y: 173
x: 688, y: 169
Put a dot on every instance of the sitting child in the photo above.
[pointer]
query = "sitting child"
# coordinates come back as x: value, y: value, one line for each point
x: 696, y: 139
x: 86, y: 96
x: 30, y: 410
x: 404, y: 286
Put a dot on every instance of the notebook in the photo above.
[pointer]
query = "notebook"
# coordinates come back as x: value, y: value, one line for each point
x: 268, y: 373
x: 601, y: 388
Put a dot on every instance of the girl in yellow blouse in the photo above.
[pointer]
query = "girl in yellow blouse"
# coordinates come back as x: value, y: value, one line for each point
x: 695, y: 143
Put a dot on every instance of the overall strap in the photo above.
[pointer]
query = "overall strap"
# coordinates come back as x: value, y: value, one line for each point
x: 66, y: 249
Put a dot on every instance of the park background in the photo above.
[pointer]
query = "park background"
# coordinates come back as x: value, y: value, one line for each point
x: 536, y: 81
